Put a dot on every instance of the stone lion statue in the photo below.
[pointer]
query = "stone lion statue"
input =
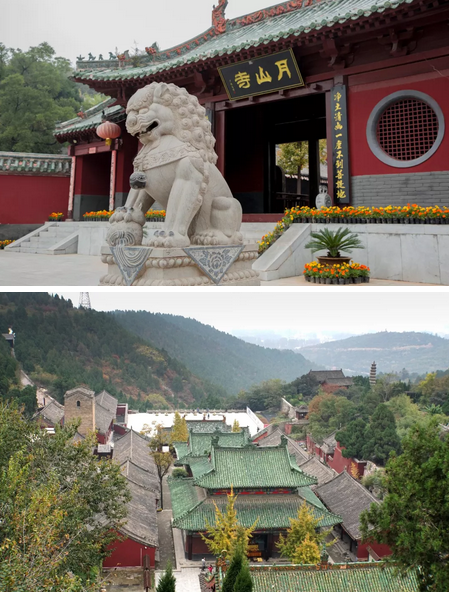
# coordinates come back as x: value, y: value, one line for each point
x: 175, y: 167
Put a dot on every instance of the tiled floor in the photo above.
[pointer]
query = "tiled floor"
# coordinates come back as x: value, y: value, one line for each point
x: 22, y: 269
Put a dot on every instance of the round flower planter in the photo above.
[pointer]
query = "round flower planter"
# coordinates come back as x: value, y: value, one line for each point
x: 333, y: 260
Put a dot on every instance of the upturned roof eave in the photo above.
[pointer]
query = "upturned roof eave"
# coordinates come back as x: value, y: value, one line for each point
x: 118, y: 77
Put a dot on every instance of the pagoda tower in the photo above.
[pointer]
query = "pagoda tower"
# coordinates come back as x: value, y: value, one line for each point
x: 372, y: 374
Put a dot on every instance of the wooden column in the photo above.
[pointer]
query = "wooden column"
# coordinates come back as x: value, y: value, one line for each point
x: 72, y: 189
x: 220, y: 136
x: 189, y: 545
x: 269, y: 550
x: 112, y: 180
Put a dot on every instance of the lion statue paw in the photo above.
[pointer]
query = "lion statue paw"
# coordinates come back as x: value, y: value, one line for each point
x: 126, y: 227
x: 168, y: 240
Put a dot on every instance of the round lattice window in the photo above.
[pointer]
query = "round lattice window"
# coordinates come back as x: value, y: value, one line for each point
x: 405, y: 128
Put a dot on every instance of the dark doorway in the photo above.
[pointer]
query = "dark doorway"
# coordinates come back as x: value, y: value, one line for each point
x: 254, y: 139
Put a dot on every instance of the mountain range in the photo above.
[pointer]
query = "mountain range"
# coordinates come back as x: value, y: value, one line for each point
x: 392, y: 351
x: 214, y: 355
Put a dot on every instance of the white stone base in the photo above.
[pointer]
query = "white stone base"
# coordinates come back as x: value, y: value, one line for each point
x: 172, y: 267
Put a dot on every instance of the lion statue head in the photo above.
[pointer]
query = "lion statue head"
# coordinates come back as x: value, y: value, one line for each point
x: 160, y: 109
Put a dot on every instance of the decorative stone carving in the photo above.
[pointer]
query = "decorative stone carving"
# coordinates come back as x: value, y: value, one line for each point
x: 173, y: 267
x: 214, y: 261
x: 130, y: 261
x: 178, y: 163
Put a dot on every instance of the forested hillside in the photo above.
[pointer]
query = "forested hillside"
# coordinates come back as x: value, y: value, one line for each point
x: 417, y: 352
x: 60, y: 347
x: 213, y: 355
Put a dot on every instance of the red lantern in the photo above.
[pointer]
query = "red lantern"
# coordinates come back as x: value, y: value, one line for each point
x: 108, y: 131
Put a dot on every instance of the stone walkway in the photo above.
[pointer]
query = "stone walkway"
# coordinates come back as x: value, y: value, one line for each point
x: 23, y: 269
x: 171, y: 548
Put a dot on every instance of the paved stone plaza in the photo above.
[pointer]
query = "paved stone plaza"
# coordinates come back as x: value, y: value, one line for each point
x: 23, y: 269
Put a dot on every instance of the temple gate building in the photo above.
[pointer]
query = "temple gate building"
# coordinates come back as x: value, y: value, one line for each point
x: 369, y: 78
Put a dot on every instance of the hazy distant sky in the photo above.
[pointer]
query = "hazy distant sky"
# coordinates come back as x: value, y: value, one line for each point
x: 307, y: 311
x: 81, y: 26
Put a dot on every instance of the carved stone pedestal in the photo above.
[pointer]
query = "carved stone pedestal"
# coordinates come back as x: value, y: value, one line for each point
x: 194, y: 266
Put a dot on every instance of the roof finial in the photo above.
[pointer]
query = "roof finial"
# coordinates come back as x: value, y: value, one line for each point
x: 218, y: 17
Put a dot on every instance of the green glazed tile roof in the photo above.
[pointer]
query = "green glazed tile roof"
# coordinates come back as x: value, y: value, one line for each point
x: 92, y: 119
x: 236, y: 38
x: 199, y: 466
x: 208, y: 426
x: 17, y: 163
x: 200, y: 444
x: 253, y: 467
x: 181, y: 449
x: 357, y: 577
x: 273, y: 511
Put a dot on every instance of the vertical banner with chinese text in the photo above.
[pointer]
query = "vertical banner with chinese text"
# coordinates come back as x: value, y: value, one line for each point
x: 340, y: 154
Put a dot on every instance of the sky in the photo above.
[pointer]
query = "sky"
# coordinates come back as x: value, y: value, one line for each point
x: 303, y: 312
x: 100, y: 26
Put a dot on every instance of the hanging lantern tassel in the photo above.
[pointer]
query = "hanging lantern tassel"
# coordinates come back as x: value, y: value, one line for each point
x: 108, y: 131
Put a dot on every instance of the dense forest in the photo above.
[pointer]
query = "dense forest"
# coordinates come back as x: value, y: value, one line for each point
x: 393, y: 351
x: 213, y: 355
x: 60, y: 346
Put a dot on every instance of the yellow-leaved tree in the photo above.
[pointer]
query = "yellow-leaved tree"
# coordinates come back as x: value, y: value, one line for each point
x: 236, y: 426
x: 303, y: 540
x: 180, y: 431
x: 227, y: 535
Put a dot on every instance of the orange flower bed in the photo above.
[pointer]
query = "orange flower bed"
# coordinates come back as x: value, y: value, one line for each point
x: 344, y: 273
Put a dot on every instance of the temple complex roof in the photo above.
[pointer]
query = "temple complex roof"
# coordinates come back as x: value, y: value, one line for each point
x: 295, y: 18
x: 253, y: 467
x: 23, y: 163
x: 349, y: 498
x: 192, y: 507
x: 335, y: 377
x: 90, y: 120
x: 200, y: 443
x: 363, y: 577
x: 274, y: 439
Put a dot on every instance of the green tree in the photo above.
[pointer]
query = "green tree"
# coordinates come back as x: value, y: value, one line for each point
x: 35, y: 93
x: 233, y: 571
x: 327, y: 413
x: 381, y: 437
x: 226, y: 535
x: 244, y: 583
x: 167, y: 583
x: 60, y: 507
x: 413, y: 518
x: 303, y: 539
x: 180, y: 431
x: 296, y: 155
x: 352, y: 437
x: 162, y: 459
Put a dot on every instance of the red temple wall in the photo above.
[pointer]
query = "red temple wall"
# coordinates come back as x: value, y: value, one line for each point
x: 378, y: 548
x: 361, y: 101
x: 199, y: 547
x: 129, y: 553
x: 339, y: 463
x: 30, y: 199
x: 125, y: 158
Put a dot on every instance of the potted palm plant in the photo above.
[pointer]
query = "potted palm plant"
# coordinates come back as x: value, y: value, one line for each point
x: 334, y: 242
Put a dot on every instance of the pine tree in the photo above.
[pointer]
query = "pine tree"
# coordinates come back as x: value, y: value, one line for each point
x: 233, y: 571
x: 243, y: 583
x: 381, y: 436
x: 167, y: 583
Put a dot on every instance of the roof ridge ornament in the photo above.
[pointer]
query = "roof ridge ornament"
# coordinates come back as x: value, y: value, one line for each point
x: 218, y: 17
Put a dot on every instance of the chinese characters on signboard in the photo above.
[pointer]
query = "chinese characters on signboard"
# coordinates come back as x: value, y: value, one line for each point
x: 261, y: 75
x: 340, y: 157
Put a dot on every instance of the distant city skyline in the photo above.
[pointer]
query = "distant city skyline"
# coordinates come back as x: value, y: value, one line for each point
x: 289, y: 312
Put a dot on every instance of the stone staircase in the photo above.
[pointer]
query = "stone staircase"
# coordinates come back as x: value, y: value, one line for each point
x: 51, y: 239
